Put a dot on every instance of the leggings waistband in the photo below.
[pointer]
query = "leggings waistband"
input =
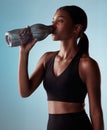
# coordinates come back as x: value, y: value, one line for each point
x: 81, y: 113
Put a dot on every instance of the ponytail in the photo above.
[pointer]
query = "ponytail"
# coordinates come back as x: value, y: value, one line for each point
x: 83, y: 44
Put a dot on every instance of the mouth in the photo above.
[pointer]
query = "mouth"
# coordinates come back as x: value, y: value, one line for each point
x: 54, y: 32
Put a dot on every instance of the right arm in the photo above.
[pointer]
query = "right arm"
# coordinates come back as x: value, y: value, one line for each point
x: 27, y: 84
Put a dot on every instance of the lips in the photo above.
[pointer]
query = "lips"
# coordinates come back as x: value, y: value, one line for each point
x: 54, y: 31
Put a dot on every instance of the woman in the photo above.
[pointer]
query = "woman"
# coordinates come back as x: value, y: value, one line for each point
x: 68, y: 74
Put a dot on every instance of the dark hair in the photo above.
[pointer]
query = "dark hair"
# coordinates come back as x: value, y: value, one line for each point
x: 79, y: 17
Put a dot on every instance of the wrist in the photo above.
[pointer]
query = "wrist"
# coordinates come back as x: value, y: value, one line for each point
x: 24, y: 51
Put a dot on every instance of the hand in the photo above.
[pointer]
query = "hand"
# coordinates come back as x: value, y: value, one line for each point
x: 27, y: 47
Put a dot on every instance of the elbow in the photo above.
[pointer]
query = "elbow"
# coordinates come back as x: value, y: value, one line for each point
x: 24, y: 90
x: 24, y: 94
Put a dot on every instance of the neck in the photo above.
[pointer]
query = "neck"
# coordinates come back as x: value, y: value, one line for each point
x: 68, y: 49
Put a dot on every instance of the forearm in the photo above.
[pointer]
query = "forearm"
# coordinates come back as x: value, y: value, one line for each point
x: 23, y: 76
x: 97, y: 119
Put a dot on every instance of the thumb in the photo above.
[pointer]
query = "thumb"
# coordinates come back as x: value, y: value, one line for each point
x: 33, y: 41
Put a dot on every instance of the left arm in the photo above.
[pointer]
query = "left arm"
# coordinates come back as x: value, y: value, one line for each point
x: 91, y: 76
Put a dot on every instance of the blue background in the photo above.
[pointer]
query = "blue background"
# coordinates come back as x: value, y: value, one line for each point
x: 30, y: 113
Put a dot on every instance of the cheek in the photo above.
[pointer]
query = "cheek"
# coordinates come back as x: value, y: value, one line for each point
x: 66, y: 32
x: 66, y: 29
x: 63, y: 32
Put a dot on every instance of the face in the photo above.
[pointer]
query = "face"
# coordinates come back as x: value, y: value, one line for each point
x: 63, y: 25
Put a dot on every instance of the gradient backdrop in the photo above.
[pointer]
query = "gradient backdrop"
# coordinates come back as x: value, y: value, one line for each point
x: 30, y: 113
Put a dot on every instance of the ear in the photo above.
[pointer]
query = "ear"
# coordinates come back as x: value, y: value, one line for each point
x: 78, y: 29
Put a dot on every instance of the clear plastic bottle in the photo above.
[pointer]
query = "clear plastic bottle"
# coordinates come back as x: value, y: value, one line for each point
x: 16, y: 37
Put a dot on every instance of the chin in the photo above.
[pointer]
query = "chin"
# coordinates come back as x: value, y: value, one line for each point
x: 54, y: 38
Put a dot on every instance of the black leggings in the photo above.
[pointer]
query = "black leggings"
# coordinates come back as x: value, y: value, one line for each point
x: 70, y: 121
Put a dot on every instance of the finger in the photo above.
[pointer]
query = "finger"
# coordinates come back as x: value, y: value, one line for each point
x: 26, y: 30
x: 27, y: 26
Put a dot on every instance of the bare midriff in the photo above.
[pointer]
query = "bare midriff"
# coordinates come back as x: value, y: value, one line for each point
x: 58, y: 107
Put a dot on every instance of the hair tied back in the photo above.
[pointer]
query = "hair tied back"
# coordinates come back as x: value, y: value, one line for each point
x: 83, y: 44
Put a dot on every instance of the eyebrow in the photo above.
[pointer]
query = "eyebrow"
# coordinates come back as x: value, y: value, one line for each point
x: 60, y: 16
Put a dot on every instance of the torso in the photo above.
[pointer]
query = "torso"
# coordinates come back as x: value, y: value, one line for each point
x: 56, y: 107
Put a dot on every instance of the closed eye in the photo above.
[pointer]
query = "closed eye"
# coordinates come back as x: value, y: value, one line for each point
x: 58, y: 21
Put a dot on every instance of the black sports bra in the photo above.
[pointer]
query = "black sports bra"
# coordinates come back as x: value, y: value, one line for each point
x: 67, y: 87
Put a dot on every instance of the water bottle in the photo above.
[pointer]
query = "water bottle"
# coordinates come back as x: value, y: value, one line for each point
x: 17, y: 37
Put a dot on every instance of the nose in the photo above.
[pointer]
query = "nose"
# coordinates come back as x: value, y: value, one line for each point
x: 53, y: 24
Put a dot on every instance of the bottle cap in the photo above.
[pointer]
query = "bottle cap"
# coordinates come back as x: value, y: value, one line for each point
x: 8, y: 39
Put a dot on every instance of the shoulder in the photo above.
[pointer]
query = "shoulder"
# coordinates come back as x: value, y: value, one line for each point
x: 87, y: 62
x: 88, y: 67
x: 46, y: 57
